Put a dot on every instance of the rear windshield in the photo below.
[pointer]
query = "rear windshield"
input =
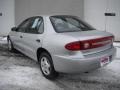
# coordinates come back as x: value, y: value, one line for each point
x: 69, y: 24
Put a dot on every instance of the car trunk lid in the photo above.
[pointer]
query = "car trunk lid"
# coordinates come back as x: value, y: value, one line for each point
x: 92, y: 41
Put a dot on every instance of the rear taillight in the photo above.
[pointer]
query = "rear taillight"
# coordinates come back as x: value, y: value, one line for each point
x: 89, y: 44
x: 74, y: 46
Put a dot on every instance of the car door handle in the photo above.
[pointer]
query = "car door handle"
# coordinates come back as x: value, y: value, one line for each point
x: 21, y: 36
x: 38, y: 40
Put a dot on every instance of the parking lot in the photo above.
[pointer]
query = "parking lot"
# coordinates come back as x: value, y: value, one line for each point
x: 18, y: 72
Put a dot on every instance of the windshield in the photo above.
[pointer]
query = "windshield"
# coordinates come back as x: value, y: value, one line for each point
x: 69, y: 24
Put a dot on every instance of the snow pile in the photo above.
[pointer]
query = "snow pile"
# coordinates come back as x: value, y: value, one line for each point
x: 3, y: 40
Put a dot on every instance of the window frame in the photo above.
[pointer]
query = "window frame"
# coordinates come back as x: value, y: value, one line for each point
x: 31, y: 18
x: 38, y: 29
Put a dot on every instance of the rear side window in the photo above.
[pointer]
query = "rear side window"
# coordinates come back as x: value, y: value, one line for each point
x: 36, y: 26
x: 69, y: 24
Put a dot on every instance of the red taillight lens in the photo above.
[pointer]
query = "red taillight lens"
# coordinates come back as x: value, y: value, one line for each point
x: 89, y: 44
x: 74, y: 46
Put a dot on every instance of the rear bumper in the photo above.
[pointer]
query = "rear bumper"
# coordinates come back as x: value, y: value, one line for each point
x: 69, y: 64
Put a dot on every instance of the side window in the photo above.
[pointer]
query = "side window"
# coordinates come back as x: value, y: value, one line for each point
x: 24, y: 25
x: 36, y: 26
x: 41, y: 27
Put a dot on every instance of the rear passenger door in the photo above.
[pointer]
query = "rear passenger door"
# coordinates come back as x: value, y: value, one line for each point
x: 32, y: 38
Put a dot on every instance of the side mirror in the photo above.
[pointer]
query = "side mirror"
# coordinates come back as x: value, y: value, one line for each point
x: 14, y: 29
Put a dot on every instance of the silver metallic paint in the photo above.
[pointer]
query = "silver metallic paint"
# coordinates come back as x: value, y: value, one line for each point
x: 64, y: 60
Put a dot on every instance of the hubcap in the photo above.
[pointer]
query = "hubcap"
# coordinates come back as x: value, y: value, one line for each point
x: 9, y: 45
x: 45, y: 66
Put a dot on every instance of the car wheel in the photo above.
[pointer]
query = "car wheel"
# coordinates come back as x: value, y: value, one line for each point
x: 10, y: 45
x: 46, y: 66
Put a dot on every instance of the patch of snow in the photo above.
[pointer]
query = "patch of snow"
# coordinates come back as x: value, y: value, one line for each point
x: 3, y: 40
x: 116, y: 44
x: 118, y: 52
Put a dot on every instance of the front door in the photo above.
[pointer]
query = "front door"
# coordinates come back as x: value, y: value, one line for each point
x: 18, y: 35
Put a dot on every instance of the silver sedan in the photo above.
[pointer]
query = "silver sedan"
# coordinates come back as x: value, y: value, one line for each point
x: 62, y: 43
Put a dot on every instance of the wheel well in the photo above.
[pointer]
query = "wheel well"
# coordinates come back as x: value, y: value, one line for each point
x: 41, y: 50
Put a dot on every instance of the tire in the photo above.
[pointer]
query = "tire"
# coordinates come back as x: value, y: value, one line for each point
x: 46, y: 66
x: 10, y: 45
